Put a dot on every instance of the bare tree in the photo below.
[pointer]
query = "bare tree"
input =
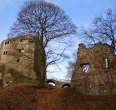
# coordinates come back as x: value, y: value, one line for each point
x: 103, y: 29
x: 72, y: 66
x: 71, y: 69
x: 45, y: 22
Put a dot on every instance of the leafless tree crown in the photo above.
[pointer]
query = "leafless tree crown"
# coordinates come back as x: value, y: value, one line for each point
x: 103, y: 29
x: 42, y: 19
x: 45, y: 22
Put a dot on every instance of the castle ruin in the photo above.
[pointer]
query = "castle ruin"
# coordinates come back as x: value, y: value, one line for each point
x: 17, y: 54
x: 95, y: 70
x: 17, y: 57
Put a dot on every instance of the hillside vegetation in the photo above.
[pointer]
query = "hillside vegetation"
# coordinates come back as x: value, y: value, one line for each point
x: 35, y: 98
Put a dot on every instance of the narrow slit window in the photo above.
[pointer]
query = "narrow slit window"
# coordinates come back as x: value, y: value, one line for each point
x: 106, y: 63
x: 19, y: 50
x: 18, y: 60
x: 7, y: 42
x: 5, y: 53
x: 21, y: 40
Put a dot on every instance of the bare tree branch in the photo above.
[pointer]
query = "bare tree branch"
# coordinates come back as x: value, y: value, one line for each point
x: 103, y: 29
x: 45, y: 22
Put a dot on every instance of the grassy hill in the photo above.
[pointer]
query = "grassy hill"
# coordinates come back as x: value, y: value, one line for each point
x: 23, y: 97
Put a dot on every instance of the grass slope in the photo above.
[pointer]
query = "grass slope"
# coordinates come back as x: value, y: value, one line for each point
x: 35, y: 98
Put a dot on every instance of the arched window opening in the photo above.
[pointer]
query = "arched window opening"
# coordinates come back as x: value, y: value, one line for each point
x: 85, y: 67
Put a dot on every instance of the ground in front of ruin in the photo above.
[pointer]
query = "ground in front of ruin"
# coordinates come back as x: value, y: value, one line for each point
x: 22, y: 97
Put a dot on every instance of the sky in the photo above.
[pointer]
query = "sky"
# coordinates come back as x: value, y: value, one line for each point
x: 81, y: 12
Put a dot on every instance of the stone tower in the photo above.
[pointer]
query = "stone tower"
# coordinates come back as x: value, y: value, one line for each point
x: 95, y: 70
x: 18, y: 53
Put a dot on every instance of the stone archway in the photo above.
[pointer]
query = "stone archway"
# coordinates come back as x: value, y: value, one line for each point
x: 66, y: 85
x: 51, y: 83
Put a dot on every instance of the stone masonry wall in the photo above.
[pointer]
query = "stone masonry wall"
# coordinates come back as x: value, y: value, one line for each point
x: 95, y: 70
x: 18, y: 53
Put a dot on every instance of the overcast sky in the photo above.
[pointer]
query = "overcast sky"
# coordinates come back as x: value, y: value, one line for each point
x: 80, y: 11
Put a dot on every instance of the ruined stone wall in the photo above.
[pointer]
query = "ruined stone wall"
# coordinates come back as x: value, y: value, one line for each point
x: 95, y: 70
x: 18, y: 53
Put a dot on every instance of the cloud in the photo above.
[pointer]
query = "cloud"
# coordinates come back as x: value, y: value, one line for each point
x: 57, y: 72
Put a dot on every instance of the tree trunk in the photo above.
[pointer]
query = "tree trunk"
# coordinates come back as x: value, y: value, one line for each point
x: 39, y: 61
x: 113, y: 44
